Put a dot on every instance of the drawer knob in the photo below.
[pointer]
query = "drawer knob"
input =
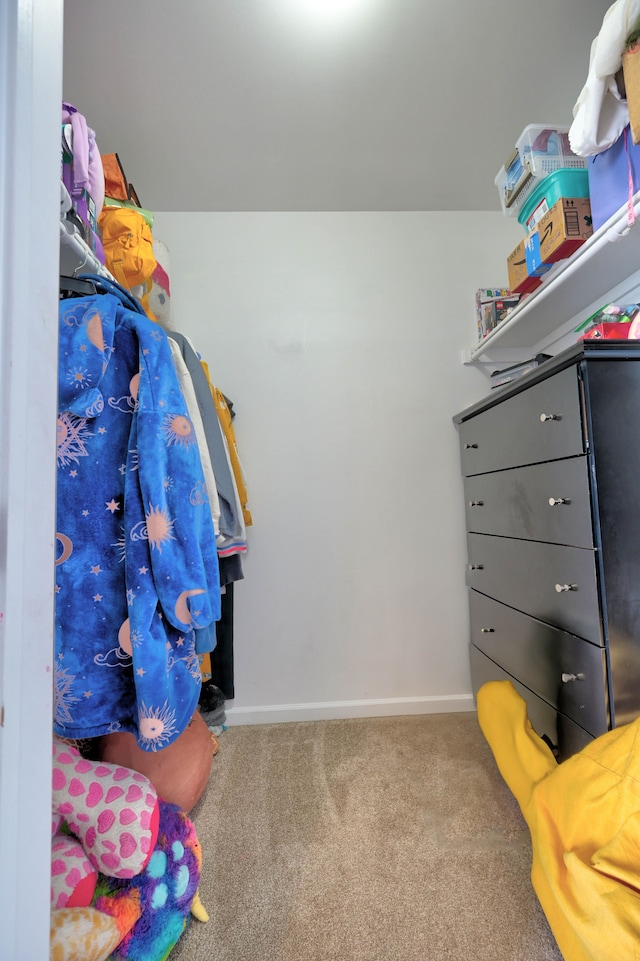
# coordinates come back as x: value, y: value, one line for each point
x: 561, y: 588
x: 476, y: 567
x: 487, y: 630
x: 545, y: 417
x: 476, y: 503
x: 567, y: 678
x: 470, y: 446
x: 555, y: 501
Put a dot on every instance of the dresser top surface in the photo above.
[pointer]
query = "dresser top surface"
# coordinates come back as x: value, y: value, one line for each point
x: 584, y: 350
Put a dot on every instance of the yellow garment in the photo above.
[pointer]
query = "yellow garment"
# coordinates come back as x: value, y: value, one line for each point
x: 584, y: 819
x: 224, y: 416
x: 205, y: 666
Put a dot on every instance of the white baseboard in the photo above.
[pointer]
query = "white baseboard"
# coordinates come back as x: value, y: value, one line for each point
x: 337, y: 710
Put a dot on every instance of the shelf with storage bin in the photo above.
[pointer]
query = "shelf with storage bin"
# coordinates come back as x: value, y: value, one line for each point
x: 541, y: 150
x: 605, y: 269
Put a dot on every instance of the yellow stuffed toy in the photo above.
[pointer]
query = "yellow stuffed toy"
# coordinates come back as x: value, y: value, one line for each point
x: 584, y: 819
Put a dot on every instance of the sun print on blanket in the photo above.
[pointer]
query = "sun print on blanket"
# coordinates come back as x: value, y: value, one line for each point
x: 79, y: 377
x: 192, y: 664
x: 72, y: 437
x: 62, y: 696
x: 157, y: 726
x: 191, y: 659
x: 121, y: 546
x: 157, y: 528
x: 178, y: 430
x: 127, y: 638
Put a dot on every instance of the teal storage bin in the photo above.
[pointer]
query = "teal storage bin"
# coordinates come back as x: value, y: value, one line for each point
x: 566, y: 182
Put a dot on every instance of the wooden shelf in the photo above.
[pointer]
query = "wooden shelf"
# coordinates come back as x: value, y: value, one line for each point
x: 609, y: 257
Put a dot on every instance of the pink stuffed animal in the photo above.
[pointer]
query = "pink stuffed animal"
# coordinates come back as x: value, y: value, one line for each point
x: 112, y: 815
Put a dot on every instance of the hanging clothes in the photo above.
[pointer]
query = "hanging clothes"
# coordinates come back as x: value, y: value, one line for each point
x: 222, y: 662
x: 186, y: 386
x: 217, y: 666
x: 230, y: 526
x: 225, y: 417
x: 137, y: 571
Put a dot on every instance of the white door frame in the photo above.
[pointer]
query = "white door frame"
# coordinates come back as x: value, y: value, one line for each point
x: 30, y: 95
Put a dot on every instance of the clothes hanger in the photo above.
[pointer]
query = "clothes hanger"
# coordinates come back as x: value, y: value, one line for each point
x: 75, y: 287
x: 104, y: 285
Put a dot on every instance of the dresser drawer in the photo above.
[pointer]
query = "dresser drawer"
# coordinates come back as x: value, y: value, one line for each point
x: 543, y: 502
x: 554, y: 583
x: 539, y: 424
x: 566, y: 671
x: 557, y: 729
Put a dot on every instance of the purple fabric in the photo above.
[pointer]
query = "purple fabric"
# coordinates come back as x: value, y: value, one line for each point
x: 88, y: 173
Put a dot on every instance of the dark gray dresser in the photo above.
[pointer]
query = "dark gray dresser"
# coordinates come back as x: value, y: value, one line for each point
x: 551, y: 467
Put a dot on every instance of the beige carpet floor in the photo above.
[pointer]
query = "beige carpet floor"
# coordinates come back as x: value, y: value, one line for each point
x: 386, y: 839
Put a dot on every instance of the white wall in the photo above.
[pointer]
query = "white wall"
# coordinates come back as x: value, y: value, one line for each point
x: 31, y: 81
x: 339, y: 336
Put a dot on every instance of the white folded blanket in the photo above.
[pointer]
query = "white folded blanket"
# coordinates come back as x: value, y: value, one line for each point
x: 601, y: 113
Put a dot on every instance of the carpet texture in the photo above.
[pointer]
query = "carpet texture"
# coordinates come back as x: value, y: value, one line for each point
x: 384, y: 839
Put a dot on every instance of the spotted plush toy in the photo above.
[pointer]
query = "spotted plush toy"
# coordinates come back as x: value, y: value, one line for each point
x: 125, y: 864
x: 104, y: 820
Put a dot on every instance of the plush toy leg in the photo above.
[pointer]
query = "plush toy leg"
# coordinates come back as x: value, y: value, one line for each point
x: 198, y: 909
x: 73, y: 880
x: 112, y: 810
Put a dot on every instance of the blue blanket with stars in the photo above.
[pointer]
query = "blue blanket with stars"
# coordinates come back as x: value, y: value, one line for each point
x: 136, y: 565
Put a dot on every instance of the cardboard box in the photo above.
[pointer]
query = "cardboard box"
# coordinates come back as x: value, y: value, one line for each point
x: 536, y: 264
x: 558, y: 234
x: 631, y: 73
x: 520, y: 281
x: 564, y: 228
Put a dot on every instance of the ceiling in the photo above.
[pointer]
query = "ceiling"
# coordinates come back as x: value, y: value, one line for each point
x: 297, y: 105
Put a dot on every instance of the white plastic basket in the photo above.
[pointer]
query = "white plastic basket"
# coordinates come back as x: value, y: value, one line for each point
x: 540, y: 149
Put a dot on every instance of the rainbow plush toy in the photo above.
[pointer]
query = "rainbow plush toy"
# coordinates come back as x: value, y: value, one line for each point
x: 125, y: 864
x: 166, y: 890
